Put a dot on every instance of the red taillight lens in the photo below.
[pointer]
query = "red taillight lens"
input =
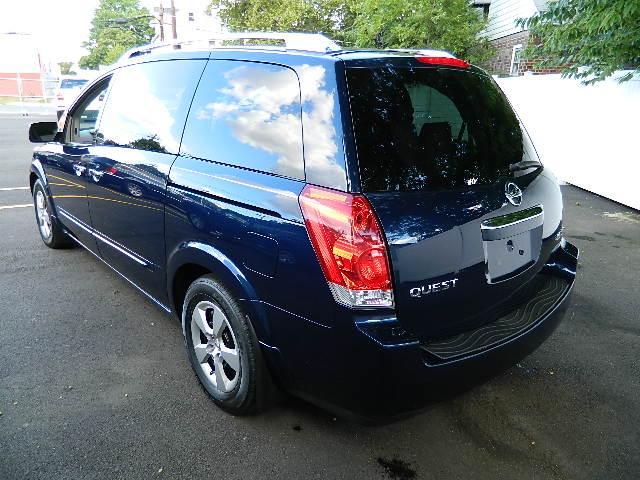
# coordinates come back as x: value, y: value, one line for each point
x: 446, y: 61
x: 347, y: 239
x: 60, y: 95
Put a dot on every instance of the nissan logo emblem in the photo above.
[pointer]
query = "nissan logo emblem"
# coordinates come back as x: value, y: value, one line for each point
x: 513, y: 193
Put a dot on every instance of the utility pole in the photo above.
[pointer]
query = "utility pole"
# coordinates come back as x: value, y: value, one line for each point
x: 173, y: 20
x: 161, y: 21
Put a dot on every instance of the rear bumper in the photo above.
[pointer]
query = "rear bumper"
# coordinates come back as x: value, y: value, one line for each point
x: 349, y: 372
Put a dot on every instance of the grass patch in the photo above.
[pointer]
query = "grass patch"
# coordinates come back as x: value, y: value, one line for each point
x: 5, y: 100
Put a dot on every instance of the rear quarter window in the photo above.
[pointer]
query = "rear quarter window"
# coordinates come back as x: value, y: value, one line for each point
x: 247, y: 114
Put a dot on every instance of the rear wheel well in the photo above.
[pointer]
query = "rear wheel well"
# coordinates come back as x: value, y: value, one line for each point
x: 182, y: 279
x: 32, y: 180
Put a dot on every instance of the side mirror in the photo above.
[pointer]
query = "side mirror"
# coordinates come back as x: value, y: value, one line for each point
x: 43, y: 132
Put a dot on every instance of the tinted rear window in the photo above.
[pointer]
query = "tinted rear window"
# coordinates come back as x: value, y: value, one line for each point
x: 427, y: 128
x: 72, y: 83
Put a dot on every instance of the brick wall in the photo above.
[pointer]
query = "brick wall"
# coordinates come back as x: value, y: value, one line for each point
x: 500, y: 64
x: 528, y: 66
x: 501, y: 61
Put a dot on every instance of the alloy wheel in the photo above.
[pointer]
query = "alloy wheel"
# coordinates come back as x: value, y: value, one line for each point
x: 215, y: 346
x: 44, y: 219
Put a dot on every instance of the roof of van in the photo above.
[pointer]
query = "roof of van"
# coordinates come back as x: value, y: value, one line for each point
x: 300, y: 44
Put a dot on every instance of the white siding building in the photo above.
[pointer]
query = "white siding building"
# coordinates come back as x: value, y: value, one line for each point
x: 507, y: 37
x: 503, y: 15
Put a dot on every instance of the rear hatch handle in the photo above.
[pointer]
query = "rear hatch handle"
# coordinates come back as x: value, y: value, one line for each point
x: 506, y: 226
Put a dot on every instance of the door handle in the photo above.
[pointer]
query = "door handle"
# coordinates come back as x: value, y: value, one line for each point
x: 96, y: 174
x: 79, y: 169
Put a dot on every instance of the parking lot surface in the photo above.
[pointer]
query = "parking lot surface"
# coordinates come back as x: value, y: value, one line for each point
x: 94, y: 383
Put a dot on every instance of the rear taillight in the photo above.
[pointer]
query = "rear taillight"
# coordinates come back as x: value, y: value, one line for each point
x: 348, y: 241
x: 446, y: 61
x: 60, y: 95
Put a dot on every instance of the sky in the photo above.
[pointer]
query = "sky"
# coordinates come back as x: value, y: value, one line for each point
x: 60, y: 26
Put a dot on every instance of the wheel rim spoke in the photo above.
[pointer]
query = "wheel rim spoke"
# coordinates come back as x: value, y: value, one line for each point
x: 44, y: 220
x: 219, y: 321
x: 221, y: 378
x: 200, y: 319
x: 215, y: 347
x: 202, y: 355
x: 230, y: 355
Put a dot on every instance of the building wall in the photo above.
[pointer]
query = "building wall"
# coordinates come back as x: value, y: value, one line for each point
x: 503, y: 15
x: 23, y: 71
x: 192, y: 20
x: 505, y: 35
x: 21, y: 85
x: 500, y: 64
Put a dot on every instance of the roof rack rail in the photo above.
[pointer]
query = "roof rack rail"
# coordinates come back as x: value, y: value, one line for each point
x: 422, y: 51
x: 313, y: 42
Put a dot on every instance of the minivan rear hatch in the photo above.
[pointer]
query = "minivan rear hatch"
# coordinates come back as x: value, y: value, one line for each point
x: 458, y: 189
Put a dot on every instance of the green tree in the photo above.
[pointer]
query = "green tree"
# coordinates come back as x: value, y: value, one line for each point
x: 451, y: 25
x: 65, y: 68
x: 447, y: 24
x: 109, y: 39
x: 323, y: 16
x: 590, y: 39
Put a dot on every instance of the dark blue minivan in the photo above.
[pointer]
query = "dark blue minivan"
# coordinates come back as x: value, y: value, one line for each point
x: 365, y: 229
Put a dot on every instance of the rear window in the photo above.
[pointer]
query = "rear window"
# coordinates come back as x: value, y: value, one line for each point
x: 427, y: 128
x: 72, y: 83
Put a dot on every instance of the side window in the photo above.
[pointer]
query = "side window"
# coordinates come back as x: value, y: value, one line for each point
x: 148, y: 104
x: 249, y: 115
x: 82, y: 123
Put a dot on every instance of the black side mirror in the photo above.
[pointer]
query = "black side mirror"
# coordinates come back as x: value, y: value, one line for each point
x: 42, y: 132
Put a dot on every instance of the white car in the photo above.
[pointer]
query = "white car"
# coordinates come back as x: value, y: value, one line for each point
x: 69, y: 88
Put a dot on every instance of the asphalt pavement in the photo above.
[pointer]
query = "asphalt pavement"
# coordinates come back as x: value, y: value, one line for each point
x: 94, y: 383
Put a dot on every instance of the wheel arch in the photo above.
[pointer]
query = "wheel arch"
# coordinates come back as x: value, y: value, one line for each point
x: 37, y: 173
x: 191, y: 260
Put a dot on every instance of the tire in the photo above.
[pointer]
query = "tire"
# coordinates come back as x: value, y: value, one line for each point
x: 223, y: 349
x: 50, y: 229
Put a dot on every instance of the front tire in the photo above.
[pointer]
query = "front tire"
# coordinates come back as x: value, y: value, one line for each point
x: 50, y: 230
x: 223, y: 348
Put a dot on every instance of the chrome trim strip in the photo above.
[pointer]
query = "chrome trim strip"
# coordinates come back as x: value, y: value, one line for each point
x: 120, y: 249
x: 102, y: 238
x: 75, y: 220
x: 524, y: 220
x: 148, y: 295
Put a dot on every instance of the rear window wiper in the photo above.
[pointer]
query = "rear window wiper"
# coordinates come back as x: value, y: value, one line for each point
x: 524, y: 165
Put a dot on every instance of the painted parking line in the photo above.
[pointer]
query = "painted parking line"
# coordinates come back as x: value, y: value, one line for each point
x: 9, y: 189
x: 24, y: 205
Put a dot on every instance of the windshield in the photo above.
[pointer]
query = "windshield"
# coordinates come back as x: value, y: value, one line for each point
x: 427, y: 128
x: 72, y: 83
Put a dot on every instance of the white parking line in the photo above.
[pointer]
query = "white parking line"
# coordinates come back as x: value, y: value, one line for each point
x: 25, y: 205
x: 7, y: 189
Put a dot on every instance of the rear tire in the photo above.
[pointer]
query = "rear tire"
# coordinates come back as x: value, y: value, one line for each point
x: 50, y: 229
x: 223, y: 349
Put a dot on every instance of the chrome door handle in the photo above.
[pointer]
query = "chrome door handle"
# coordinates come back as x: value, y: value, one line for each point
x: 96, y: 174
x: 79, y: 169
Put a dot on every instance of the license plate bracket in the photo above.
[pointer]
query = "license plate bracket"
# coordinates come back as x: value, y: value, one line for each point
x: 512, y: 243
